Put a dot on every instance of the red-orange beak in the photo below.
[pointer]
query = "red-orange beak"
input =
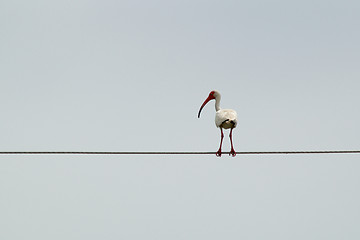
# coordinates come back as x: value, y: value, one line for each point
x: 210, y: 97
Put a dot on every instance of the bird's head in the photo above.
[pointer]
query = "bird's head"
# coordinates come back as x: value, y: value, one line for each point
x: 212, y: 95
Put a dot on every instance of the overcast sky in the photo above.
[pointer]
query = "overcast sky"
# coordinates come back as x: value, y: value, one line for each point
x: 131, y: 75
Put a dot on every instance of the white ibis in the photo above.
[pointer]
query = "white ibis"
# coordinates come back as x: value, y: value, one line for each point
x: 224, y: 118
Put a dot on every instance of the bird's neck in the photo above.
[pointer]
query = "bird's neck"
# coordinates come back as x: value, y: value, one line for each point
x: 217, y: 103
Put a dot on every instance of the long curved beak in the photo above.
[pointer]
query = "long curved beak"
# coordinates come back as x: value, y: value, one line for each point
x: 205, y: 102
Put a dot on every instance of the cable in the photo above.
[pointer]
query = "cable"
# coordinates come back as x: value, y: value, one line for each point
x: 172, y: 153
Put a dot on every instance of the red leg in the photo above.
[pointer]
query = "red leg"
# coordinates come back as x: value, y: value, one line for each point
x: 232, y: 152
x: 218, y: 153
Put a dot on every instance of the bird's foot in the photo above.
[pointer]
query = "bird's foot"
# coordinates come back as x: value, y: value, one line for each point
x: 232, y: 153
x: 218, y: 153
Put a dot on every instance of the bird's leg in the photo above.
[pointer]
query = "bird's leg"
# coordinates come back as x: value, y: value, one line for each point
x: 232, y: 152
x: 218, y: 153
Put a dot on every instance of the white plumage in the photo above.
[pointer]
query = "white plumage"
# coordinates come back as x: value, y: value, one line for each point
x: 224, y: 118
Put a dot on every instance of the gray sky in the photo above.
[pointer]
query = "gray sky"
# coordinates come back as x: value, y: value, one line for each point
x: 131, y: 76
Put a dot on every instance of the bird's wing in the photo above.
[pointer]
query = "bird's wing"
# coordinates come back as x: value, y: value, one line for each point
x: 225, y: 114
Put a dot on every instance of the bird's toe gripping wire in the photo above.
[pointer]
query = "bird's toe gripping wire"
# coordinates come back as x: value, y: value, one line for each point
x: 218, y: 153
x: 232, y: 153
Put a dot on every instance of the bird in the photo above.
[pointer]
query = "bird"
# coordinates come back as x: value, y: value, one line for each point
x: 224, y: 119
